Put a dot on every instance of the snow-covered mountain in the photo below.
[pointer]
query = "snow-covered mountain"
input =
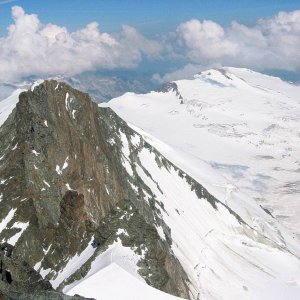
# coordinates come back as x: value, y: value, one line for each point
x: 92, y: 206
x: 236, y: 131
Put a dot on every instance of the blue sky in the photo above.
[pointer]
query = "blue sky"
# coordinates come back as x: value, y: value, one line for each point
x: 161, y: 38
x: 150, y: 17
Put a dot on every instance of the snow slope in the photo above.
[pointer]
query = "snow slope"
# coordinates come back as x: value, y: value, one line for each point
x: 114, y: 283
x: 113, y: 275
x: 223, y: 256
x: 237, y: 133
x: 8, y: 104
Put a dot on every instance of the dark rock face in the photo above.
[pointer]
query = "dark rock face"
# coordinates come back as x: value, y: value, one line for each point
x: 170, y: 87
x: 63, y: 176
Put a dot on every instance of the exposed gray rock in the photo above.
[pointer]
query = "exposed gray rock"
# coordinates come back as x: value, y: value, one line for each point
x: 19, y: 281
x: 170, y: 87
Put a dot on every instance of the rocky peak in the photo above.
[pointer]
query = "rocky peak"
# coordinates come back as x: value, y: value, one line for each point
x: 65, y: 181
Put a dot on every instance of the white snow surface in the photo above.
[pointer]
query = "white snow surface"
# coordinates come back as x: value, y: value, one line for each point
x: 35, y: 153
x: 8, y: 104
x: 65, y: 165
x: 114, y: 275
x: 237, y: 134
x: 36, y: 83
x: 125, y: 152
x: 114, y: 283
x: 7, y: 219
x: 223, y: 258
x: 19, y: 225
x: 73, y: 265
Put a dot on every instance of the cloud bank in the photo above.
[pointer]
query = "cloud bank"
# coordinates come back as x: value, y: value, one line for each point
x: 33, y: 48
x: 272, y: 43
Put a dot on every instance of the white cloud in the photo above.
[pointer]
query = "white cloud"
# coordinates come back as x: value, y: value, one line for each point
x: 33, y: 48
x: 7, y: 1
x: 271, y: 43
x: 205, y: 40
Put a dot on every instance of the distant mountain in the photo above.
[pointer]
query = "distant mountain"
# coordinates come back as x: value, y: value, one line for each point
x: 104, y: 87
x: 101, y: 86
